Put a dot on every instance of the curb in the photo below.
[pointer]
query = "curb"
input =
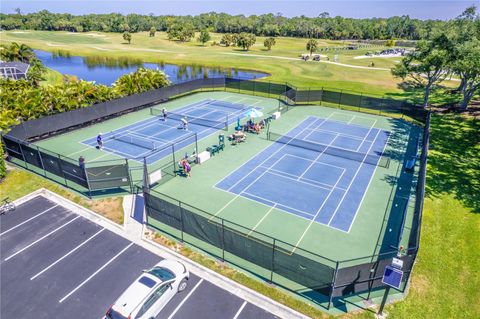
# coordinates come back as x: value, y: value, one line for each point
x: 233, y: 287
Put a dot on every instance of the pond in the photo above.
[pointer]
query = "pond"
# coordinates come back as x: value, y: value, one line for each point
x: 105, y: 70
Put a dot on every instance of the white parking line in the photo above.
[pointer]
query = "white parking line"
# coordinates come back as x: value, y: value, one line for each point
x: 185, y: 299
x: 240, y: 310
x: 39, y: 214
x: 93, y: 275
x: 68, y: 254
x: 41, y: 238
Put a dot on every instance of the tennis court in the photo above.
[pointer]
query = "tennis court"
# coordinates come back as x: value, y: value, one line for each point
x: 320, y: 171
x: 152, y: 138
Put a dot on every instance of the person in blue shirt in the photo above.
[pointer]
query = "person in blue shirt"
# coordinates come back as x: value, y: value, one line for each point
x: 99, y: 141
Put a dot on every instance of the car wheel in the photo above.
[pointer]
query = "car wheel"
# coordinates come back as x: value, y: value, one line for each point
x: 182, y: 285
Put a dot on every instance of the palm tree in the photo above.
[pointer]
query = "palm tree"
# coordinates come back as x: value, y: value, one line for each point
x: 312, y: 46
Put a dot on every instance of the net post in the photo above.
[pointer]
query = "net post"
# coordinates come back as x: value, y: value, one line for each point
x: 196, y: 143
x: 174, y: 161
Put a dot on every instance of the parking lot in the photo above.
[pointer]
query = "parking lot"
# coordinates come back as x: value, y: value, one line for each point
x: 56, y: 264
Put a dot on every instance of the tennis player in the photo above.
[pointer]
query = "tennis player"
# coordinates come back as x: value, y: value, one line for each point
x: 100, y: 141
x: 185, y: 123
x: 164, y: 113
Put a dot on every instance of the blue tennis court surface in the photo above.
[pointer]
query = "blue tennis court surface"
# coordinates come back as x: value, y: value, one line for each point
x: 153, y: 138
x: 298, y: 173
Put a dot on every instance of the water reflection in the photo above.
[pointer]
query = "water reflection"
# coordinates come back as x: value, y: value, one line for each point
x: 105, y: 70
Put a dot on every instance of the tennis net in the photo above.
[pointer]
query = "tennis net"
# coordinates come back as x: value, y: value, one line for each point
x: 235, y: 106
x: 140, y: 141
x: 372, y: 159
x: 221, y: 125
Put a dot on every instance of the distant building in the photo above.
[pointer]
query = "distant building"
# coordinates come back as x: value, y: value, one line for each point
x: 13, y: 70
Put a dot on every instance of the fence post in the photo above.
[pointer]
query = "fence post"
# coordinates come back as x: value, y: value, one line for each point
x: 63, y: 173
x: 130, y: 175
x: 334, y: 279
x: 41, y: 162
x: 360, y: 101
x: 340, y: 99
x: 308, y: 98
x: 223, y: 241
x: 269, y: 88
x: 273, y: 260
x: 181, y: 221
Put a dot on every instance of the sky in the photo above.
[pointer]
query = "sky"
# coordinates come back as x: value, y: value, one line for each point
x: 424, y: 9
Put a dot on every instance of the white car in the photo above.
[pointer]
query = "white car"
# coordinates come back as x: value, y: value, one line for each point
x: 150, y: 292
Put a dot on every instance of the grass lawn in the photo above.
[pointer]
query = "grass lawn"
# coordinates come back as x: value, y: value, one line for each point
x: 19, y: 183
x: 282, y: 61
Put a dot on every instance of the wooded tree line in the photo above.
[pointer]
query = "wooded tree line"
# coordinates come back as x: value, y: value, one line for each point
x: 322, y: 26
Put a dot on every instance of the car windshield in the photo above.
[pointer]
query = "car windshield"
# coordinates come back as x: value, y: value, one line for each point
x: 162, y: 273
x: 112, y: 314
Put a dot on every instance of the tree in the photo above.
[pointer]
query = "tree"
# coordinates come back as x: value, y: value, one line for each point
x: 390, y: 43
x: 246, y: 40
x: 3, y: 168
x: 469, y: 68
x: 427, y: 65
x: 140, y: 81
x: 36, y: 72
x: 127, y: 36
x: 312, y: 46
x: 181, y: 32
x: 204, y: 36
x: 227, y: 39
x: 153, y: 30
x: 269, y: 43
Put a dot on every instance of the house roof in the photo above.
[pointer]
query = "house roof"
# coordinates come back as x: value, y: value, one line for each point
x: 13, y: 70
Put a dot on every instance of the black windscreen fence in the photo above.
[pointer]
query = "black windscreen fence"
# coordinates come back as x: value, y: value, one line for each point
x: 108, y: 176
x: 241, y: 242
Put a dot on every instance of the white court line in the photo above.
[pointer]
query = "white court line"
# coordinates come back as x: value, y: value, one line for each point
x: 80, y: 151
x: 319, y: 162
x: 299, y: 181
x: 26, y: 221
x: 368, y: 133
x: 353, y: 117
x: 351, y: 181
x: 261, y: 220
x: 320, y: 130
x: 358, y: 125
x: 258, y: 165
x: 41, y: 238
x: 92, y: 275
x: 318, y: 212
x: 318, y: 157
x: 269, y: 157
x: 66, y: 255
x: 240, y: 310
x: 275, y: 203
x: 368, y: 186
x: 185, y: 299
x: 293, y: 176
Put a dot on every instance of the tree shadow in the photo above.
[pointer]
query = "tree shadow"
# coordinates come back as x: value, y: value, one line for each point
x: 454, y: 159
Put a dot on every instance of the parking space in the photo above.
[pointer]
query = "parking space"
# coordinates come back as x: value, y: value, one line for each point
x: 56, y: 264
